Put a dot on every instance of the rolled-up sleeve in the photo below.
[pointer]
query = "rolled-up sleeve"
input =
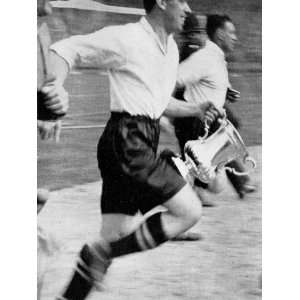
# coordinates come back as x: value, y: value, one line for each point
x: 102, y: 49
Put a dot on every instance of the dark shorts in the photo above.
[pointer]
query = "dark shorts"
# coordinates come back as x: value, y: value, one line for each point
x: 134, y: 177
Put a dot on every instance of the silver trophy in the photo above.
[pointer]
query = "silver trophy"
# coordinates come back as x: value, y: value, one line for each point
x: 213, y: 152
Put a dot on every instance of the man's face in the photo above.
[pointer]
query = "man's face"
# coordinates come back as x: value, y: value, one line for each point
x: 229, y: 37
x: 197, y: 37
x: 194, y: 36
x: 176, y: 12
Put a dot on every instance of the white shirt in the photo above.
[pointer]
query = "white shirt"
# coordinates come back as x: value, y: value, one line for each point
x: 205, y: 76
x: 141, y: 72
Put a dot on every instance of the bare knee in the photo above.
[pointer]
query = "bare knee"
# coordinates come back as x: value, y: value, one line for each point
x: 195, y: 213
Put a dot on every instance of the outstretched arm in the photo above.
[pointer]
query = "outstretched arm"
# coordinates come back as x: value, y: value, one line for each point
x: 101, y: 49
x: 204, y: 111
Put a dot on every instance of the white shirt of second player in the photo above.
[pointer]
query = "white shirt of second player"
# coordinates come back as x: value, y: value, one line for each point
x: 205, y: 76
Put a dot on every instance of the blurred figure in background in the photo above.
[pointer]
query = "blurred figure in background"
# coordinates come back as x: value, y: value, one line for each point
x: 192, y: 38
x: 50, y: 107
x: 50, y: 110
x: 52, y: 104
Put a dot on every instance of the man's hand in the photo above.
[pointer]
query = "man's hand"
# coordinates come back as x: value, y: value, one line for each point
x: 56, y: 97
x: 49, y: 130
x: 233, y: 95
x: 209, y: 113
x: 208, y: 173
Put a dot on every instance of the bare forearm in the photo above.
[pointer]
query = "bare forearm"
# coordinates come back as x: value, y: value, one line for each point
x: 59, y: 67
x: 179, y: 109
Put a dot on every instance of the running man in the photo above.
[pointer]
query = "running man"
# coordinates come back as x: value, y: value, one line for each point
x: 141, y: 60
x: 204, y: 75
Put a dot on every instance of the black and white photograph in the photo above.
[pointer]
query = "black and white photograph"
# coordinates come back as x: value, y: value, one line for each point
x: 149, y: 149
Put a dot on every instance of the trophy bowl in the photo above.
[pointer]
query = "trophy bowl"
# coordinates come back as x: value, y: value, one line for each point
x: 215, y: 152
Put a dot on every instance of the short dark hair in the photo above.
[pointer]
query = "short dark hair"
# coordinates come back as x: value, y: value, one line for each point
x: 214, y: 22
x: 148, y: 5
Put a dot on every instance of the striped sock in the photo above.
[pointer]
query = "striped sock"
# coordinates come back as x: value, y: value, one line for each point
x: 91, y: 267
x: 149, y: 235
x: 95, y: 259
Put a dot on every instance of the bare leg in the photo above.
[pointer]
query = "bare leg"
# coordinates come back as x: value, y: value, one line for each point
x: 116, y: 226
x: 240, y: 183
x: 179, y: 213
x: 183, y: 212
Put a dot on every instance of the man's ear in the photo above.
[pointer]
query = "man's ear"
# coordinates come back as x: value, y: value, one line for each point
x: 219, y: 35
x: 162, y: 4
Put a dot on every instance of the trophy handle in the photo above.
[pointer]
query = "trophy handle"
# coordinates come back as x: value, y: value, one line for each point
x: 207, y: 126
x: 206, y: 131
x: 247, y: 159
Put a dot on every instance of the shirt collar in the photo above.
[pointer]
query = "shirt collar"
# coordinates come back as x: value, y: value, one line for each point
x: 148, y: 28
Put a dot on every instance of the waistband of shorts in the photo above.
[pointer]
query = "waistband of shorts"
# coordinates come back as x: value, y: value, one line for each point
x: 141, y: 118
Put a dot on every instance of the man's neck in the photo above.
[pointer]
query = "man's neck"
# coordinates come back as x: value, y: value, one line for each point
x: 158, y: 27
x: 220, y: 46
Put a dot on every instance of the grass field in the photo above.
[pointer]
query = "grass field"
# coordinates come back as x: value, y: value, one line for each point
x: 226, y: 264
